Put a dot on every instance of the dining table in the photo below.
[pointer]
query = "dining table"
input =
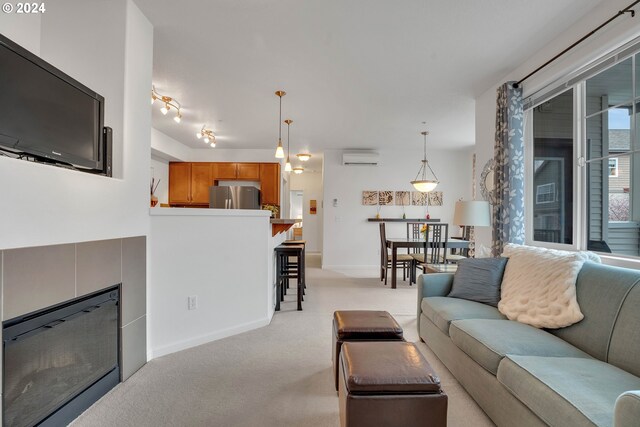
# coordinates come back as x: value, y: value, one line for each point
x: 394, y: 243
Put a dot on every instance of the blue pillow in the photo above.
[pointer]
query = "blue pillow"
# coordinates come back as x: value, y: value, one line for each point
x: 479, y: 279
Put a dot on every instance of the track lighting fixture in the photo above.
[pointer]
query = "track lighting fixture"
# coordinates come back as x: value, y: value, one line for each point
x: 207, y: 136
x: 168, y: 103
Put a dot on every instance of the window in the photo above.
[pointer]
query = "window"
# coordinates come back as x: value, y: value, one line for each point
x: 552, y: 182
x: 586, y: 141
x: 546, y: 193
x: 613, y: 167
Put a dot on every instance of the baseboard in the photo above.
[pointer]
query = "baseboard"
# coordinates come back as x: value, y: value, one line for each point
x: 203, y: 339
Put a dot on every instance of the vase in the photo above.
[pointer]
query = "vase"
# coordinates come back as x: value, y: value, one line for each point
x: 154, y: 201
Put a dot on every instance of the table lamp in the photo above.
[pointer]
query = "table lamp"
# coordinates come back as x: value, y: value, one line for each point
x: 471, y: 213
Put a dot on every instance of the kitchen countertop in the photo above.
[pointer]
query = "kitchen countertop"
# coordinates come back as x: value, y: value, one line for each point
x: 207, y: 212
x: 284, y: 221
x: 280, y: 225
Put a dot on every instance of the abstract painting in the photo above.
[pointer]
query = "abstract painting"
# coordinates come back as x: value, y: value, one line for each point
x: 403, y: 198
x: 369, y: 198
x: 418, y: 198
x: 385, y: 197
x: 435, y: 198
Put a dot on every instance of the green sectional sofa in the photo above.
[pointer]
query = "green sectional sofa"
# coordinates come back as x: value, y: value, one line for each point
x: 587, y: 374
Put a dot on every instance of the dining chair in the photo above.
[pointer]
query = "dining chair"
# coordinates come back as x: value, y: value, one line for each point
x: 413, y: 232
x: 405, y: 260
x: 436, y: 238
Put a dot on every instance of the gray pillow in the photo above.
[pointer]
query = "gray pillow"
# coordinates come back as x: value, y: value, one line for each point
x: 479, y: 279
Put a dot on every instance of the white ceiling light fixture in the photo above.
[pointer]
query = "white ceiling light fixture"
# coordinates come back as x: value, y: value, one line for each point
x: 423, y: 184
x: 287, y: 166
x: 207, y: 135
x: 303, y: 157
x: 167, y: 104
x: 298, y: 170
x: 279, y: 149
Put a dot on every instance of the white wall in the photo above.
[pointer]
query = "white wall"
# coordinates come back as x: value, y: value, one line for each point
x: 349, y: 241
x: 160, y: 170
x: 23, y: 29
x: 162, y: 145
x: 615, y: 34
x: 234, y: 155
x: 107, y: 46
x: 311, y: 184
x: 204, y: 253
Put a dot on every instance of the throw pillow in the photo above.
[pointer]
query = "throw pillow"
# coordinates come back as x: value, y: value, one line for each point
x: 539, y: 286
x: 479, y: 280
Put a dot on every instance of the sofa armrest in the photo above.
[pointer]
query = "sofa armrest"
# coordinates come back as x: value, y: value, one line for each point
x: 627, y: 409
x: 433, y: 285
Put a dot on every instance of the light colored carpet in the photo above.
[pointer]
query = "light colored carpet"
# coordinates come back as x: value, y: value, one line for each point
x: 279, y: 375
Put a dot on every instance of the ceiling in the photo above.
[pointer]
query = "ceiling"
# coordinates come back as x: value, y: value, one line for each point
x: 358, y: 73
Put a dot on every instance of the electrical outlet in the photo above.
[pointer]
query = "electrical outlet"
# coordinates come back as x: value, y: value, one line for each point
x: 192, y: 302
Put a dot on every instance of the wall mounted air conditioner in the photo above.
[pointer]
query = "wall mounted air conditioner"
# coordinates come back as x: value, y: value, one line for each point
x: 360, y: 158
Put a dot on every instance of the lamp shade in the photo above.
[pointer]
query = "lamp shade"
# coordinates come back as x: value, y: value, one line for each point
x: 472, y: 212
x: 425, y: 185
x: 279, y: 151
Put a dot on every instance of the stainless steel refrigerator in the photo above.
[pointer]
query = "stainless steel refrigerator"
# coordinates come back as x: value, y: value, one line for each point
x: 234, y: 197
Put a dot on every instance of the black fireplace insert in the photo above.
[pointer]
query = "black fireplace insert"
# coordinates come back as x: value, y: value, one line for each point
x: 60, y: 360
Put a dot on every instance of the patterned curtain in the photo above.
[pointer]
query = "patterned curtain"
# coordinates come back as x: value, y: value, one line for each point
x: 508, y: 211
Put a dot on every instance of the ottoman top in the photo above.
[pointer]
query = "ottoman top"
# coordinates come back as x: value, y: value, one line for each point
x: 366, y: 324
x: 391, y: 367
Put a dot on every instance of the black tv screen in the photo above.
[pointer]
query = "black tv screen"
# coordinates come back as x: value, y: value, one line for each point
x: 46, y: 113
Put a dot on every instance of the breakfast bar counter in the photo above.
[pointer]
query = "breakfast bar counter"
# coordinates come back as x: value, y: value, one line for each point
x: 211, y: 274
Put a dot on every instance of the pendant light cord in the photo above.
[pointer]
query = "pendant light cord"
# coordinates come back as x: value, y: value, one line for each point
x: 423, y: 169
x: 288, y: 130
x: 280, y: 121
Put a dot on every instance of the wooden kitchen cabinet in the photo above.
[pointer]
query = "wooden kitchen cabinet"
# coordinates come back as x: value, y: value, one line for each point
x: 248, y: 171
x: 270, y: 183
x: 224, y: 170
x: 201, y: 180
x: 179, y: 183
x: 189, y: 183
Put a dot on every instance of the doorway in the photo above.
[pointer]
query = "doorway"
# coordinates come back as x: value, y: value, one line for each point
x: 296, y: 209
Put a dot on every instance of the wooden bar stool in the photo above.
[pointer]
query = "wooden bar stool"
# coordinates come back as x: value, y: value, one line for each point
x: 293, y: 264
x: 285, y: 271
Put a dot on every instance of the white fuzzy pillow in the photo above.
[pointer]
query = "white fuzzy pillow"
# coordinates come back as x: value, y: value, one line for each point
x: 539, y: 286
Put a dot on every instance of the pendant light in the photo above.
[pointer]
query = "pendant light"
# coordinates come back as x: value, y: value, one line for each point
x: 287, y: 166
x: 423, y: 184
x: 280, y: 150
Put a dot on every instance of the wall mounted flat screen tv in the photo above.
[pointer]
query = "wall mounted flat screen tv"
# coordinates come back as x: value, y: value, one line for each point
x: 46, y: 114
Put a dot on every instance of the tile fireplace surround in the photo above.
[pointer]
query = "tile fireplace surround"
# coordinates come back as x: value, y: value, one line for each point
x: 38, y: 277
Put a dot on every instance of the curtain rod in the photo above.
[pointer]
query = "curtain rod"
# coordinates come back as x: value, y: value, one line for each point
x: 620, y: 13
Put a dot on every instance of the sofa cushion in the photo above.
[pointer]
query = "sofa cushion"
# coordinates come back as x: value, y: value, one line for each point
x: 539, y: 286
x: 479, y: 280
x: 488, y: 341
x: 443, y: 310
x: 624, y: 349
x: 566, y: 391
x: 601, y: 291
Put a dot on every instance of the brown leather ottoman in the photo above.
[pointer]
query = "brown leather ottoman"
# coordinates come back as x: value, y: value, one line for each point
x: 361, y: 325
x: 387, y: 384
